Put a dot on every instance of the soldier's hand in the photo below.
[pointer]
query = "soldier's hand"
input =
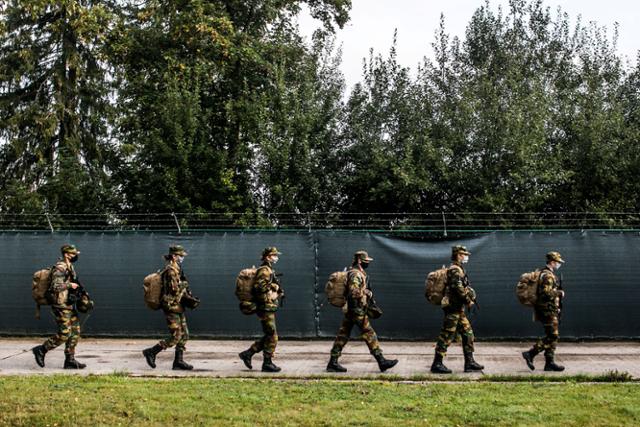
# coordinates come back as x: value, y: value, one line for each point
x: 368, y: 293
x: 74, y: 285
x: 561, y: 294
x: 471, y: 304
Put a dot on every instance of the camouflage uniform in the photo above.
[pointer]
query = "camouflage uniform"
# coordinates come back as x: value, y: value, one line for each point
x: 359, y: 297
x: 174, y: 286
x: 455, y: 320
x: 547, y: 311
x: 265, y: 293
x: 357, y: 281
x: 65, y: 314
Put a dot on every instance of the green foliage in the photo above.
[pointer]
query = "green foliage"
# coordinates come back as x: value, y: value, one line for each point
x: 200, y: 106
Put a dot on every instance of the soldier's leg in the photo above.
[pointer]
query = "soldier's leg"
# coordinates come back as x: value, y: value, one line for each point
x: 184, y: 337
x: 447, y: 333
x: 466, y: 332
x: 343, y: 336
x: 550, y: 341
x: 174, y: 322
x: 368, y: 334
x: 74, y: 335
x: 270, y: 340
x: 63, y: 319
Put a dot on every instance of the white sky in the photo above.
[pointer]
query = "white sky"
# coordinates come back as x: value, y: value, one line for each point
x: 373, y: 21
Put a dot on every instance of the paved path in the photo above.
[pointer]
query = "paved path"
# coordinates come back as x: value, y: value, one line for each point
x: 218, y: 358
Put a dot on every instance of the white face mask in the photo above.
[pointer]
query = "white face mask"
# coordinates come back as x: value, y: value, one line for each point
x: 465, y: 259
x: 274, y: 259
x: 179, y: 259
x: 558, y: 265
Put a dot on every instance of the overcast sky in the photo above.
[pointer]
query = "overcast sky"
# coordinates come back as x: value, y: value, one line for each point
x: 373, y: 21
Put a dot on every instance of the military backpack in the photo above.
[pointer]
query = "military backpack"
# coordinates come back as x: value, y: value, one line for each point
x: 336, y: 288
x: 527, y: 288
x: 40, y: 285
x: 244, y: 290
x: 152, y: 286
x: 435, y: 284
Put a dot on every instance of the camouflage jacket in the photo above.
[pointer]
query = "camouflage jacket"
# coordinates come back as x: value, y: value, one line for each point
x: 457, y: 287
x: 548, y: 294
x: 174, y: 285
x: 62, y: 275
x: 357, y: 284
x: 265, y: 288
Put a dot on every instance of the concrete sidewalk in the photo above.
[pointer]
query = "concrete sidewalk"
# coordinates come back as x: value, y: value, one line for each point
x: 219, y: 358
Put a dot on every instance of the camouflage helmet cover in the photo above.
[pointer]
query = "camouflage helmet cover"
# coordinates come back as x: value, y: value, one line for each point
x: 177, y: 250
x: 554, y: 256
x: 269, y: 251
x: 362, y: 256
x: 69, y: 249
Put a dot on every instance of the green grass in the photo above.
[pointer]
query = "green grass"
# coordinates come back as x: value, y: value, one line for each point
x: 120, y: 400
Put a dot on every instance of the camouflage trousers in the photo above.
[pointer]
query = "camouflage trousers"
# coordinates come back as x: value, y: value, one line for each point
x: 179, y: 330
x: 68, y: 330
x: 269, y: 340
x: 455, y: 324
x: 549, y: 343
x: 366, y: 332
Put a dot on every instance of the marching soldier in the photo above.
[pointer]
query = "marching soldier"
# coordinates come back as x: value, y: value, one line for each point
x: 63, y: 283
x: 547, y: 312
x: 458, y: 294
x: 267, y: 293
x: 174, y: 287
x: 358, y: 298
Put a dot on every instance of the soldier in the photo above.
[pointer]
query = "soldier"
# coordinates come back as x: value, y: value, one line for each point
x: 358, y: 297
x: 174, y: 287
x: 458, y: 294
x: 63, y: 285
x: 266, y: 294
x: 547, y: 312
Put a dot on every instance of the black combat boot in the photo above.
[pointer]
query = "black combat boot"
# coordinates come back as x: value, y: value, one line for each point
x: 179, y: 364
x: 268, y: 366
x: 71, y: 363
x: 437, y: 367
x: 383, y: 363
x: 246, y: 356
x: 470, y: 365
x: 39, y: 352
x: 550, y: 364
x: 528, y: 357
x: 334, y: 366
x: 151, y: 353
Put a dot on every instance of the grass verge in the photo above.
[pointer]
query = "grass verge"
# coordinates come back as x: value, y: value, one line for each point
x: 62, y: 400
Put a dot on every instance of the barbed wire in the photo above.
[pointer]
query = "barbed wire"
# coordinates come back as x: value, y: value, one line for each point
x: 441, y: 222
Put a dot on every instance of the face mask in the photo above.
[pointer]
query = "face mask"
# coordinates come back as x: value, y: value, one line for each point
x: 364, y: 265
x: 180, y: 259
x: 558, y: 265
x: 274, y: 259
x: 465, y: 259
x: 74, y: 258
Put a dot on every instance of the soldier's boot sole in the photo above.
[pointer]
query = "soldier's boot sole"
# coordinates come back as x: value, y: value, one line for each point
x: 440, y: 369
x: 387, y: 364
x: 336, y: 367
x: 39, y: 354
x: 150, y: 357
x: 74, y: 365
x: 473, y: 368
x: 553, y: 368
x: 246, y: 356
x: 271, y: 368
x: 529, y: 359
x: 182, y: 366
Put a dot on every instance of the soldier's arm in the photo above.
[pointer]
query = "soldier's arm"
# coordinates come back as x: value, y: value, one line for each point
x: 173, y: 282
x: 548, y: 288
x: 357, y: 286
x: 456, y: 285
x: 59, y: 280
x: 263, y: 280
